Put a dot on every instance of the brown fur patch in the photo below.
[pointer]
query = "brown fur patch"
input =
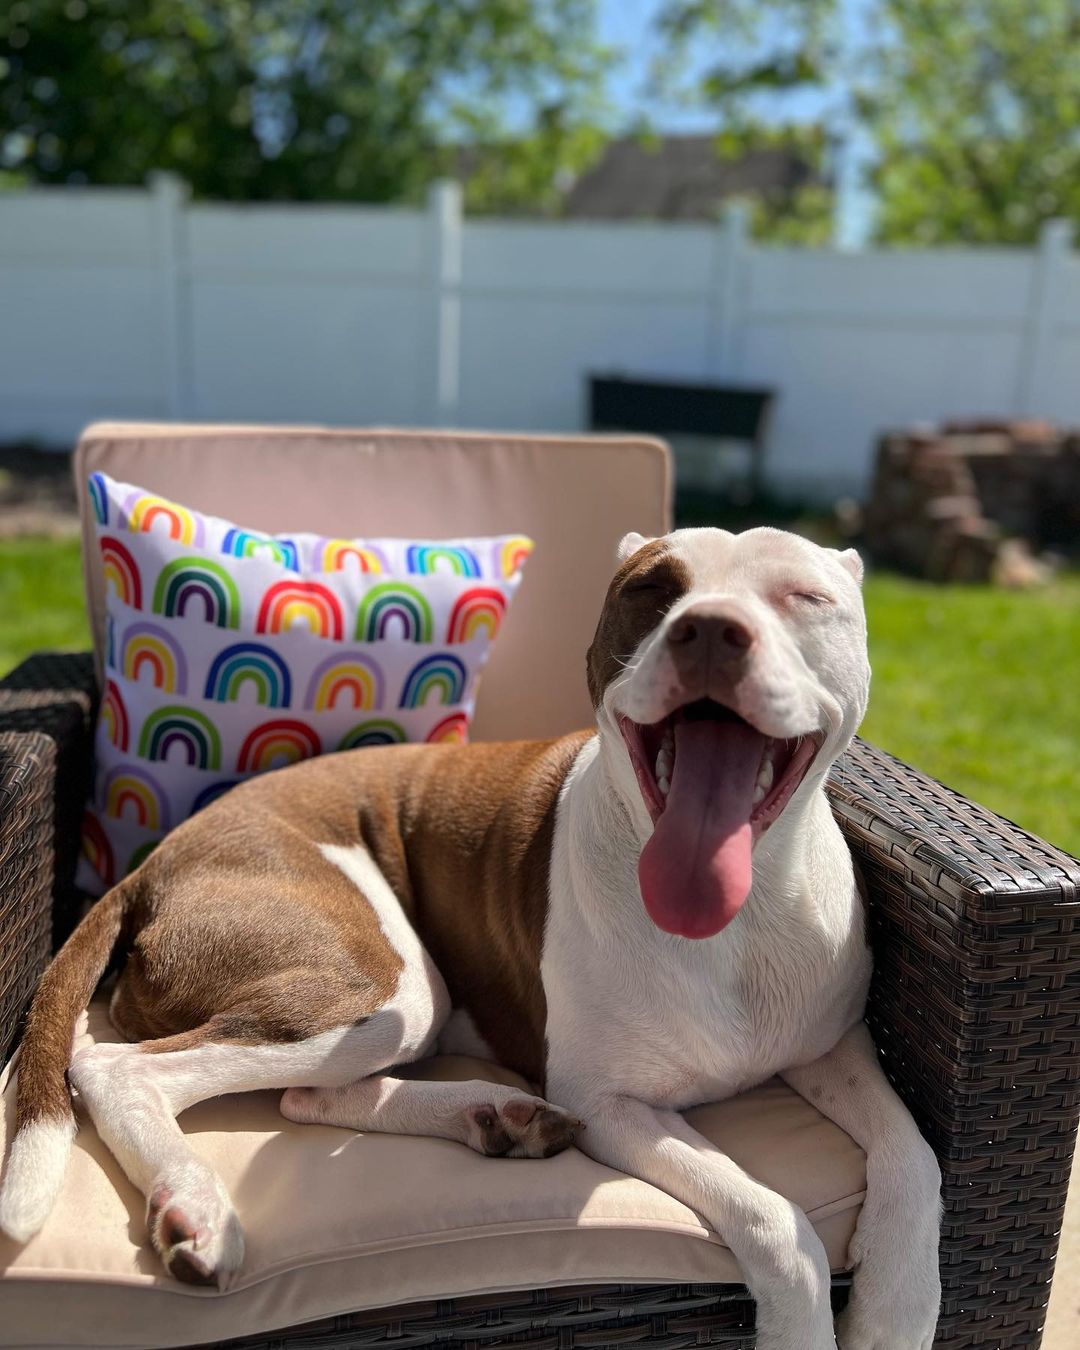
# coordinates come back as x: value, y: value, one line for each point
x: 644, y: 588
x: 64, y: 991
x: 470, y: 863
x: 243, y: 931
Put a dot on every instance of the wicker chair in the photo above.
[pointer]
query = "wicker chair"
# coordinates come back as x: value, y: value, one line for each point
x: 975, y: 1008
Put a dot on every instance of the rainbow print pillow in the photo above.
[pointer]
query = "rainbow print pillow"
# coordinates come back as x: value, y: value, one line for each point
x: 229, y: 652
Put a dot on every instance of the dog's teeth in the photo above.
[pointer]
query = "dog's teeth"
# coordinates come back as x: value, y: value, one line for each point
x: 764, y: 780
x: 664, y: 784
x: 759, y: 795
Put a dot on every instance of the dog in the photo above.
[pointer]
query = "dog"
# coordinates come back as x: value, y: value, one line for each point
x: 640, y: 918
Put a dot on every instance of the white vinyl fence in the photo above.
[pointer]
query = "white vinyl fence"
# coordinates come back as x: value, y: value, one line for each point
x: 140, y: 304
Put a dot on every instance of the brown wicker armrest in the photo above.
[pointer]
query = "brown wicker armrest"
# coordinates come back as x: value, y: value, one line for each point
x: 975, y: 1008
x: 56, y: 694
x: 27, y: 770
x: 61, y: 675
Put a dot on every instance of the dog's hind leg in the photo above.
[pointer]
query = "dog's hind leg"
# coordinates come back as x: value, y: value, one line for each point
x: 320, y: 1021
x: 491, y: 1118
x: 135, y: 1092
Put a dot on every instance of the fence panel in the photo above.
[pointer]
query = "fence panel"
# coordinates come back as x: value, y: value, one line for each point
x: 123, y: 303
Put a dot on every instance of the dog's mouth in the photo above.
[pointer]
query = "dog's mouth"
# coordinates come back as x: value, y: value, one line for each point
x: 712, y: 784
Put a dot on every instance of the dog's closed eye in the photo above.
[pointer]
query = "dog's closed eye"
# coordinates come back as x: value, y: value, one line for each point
x: 815, y: 599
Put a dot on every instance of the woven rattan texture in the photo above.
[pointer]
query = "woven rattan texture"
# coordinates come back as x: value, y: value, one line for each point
x: 975, y: 1008
x: 672, y: 1317
x: 27, y: 768
x: 56, y: 695
x: 668, y: 1316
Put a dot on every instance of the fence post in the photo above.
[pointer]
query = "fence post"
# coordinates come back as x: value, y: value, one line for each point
x: 725, y: 291
x: 446, y: 235
x: 1055, y: 241
x: 169, y: 199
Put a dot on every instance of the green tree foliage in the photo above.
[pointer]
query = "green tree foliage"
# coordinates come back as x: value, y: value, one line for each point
x: 764, y: 66
x: 299, y: 99
x: 975, y: 110
x: 968, y: 109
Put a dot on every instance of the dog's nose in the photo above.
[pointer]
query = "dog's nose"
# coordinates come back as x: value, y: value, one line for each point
x: 725, y: 635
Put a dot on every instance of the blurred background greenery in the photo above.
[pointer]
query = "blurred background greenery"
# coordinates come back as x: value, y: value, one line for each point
x: 901, y: 121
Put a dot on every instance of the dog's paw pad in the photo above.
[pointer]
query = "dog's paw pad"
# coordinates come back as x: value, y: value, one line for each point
x: 307, y: 1106
x: 197, y: 1237
x: 522, y: 1127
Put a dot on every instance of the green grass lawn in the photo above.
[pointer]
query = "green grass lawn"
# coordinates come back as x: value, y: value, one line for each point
x: 975, y: 686
x: 981, y: 689
x: 41, y: 598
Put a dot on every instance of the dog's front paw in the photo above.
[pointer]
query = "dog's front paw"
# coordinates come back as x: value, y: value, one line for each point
x: 520, y: 1127
x: 860, y: 1328
x: 194, y: 1229
x: 896, y: 1294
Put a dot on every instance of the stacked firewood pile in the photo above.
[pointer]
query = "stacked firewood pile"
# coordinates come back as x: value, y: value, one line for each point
x: 975, y: 501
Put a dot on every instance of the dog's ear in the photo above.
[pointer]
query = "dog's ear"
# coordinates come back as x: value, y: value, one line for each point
x: 629, y: 544
x: 851, y: 562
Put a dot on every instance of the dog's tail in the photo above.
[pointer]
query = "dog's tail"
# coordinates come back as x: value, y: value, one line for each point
x: 44, y: 1119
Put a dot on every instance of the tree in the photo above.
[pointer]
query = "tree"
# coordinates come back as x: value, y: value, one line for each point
x: 298, y: 99
x: 968, y: 109
x: 974, y: 114
x: 764, y: 66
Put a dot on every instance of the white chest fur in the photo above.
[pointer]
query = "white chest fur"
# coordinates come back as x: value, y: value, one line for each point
x: 673, y: 1021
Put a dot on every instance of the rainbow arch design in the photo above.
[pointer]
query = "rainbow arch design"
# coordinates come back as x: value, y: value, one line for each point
x: 149, y: 646
x: 480, y: 609
x: 249, y: 662
x: 187, y: 727
x: 97, y: 849
x: 198, y: 579
x: 129, y: 792
x: 425, y: 559
x: 392, y: 602
x: 247, y: 544
x: 99, y: 498
x: 441, y: 672
x: 143, y: 510
x: 511, y: 554
x: 113, y: 717
x: 211, y: 794
x: 377, y: 731
x: 452, y: 730
x: 110, y: 642
x: 289, y: 602
x: 121, y: 571
x: 276, y: 743
x: 355, y: 679
x: 140, y: 855
x: 337, y: 555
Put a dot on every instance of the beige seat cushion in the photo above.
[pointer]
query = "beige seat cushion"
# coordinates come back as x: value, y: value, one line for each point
x: 338, y: 1221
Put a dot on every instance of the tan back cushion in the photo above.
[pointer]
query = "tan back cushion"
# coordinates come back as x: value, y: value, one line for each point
x: 575, y: 496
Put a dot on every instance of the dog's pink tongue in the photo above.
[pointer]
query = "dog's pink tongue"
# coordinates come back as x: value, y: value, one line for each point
x: 695, y: 870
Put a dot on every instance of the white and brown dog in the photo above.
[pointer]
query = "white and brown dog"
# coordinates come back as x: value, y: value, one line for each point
x: 657, y: 915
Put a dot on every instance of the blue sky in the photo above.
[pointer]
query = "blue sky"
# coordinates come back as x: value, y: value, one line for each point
x: 627, y: 24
